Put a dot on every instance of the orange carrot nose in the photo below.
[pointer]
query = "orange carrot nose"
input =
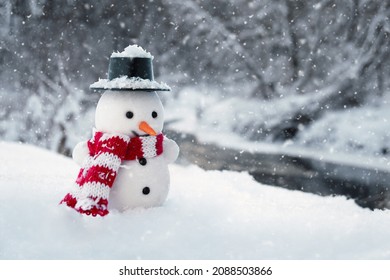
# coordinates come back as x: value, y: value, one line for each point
x: 145, y: 127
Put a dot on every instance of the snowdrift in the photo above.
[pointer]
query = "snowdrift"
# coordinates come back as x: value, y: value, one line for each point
x: 208, y: 215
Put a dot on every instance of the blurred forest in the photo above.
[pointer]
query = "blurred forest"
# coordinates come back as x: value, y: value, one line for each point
x: 335, y: 52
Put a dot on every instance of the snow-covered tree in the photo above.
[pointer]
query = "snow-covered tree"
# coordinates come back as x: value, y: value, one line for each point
x: 334, y: 52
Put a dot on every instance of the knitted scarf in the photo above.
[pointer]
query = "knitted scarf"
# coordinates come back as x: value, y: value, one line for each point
x: 98, y: 173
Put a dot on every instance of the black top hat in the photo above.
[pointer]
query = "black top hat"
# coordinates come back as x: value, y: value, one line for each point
x: 130, y: 73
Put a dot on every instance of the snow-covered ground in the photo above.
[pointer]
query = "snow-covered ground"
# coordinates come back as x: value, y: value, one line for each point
x: 208, y: 215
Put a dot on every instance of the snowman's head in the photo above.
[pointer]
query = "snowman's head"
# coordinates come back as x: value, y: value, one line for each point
x: 134, y: 113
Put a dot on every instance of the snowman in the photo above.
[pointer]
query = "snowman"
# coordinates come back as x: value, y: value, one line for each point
x: 125, y: 164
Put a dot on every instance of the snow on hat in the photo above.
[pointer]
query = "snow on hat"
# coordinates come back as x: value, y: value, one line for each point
x: 132, y: 70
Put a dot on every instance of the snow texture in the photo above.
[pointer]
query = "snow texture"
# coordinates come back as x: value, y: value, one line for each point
x: 208, y: 215
x: 133, y: 51
x: 133, y: 83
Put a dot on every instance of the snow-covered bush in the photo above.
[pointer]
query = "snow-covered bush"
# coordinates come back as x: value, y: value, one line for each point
x: 53, y: 116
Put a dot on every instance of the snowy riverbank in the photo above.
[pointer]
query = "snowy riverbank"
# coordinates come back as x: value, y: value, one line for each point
x: 354, y: 135
x: 208, y: 215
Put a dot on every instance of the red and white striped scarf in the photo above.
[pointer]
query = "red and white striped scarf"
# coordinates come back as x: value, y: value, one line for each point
x: 98, y: 173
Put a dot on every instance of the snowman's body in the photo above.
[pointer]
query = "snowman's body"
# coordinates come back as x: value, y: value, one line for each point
x: 139, y: 185
x: 143, y: 182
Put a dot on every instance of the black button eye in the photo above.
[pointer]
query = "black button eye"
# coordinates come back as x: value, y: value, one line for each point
x: 143, y: 161
x: 146, y: 190
x: 154, y: 114
x: 129, y: 115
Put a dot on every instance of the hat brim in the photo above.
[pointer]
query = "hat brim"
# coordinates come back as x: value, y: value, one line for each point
x: 129, y: 84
